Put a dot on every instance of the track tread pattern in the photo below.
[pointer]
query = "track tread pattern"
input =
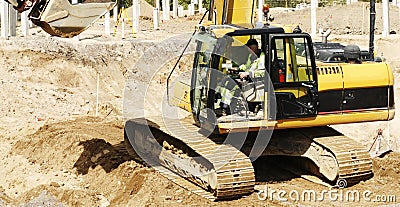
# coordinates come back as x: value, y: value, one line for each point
x: 354, y: 161
x: 235, y: 173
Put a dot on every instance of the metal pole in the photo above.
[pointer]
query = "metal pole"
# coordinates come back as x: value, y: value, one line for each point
x: 25, y: 23
x: 107, y: 23
x: 115, y: 13
x: 372, y: 14
x: 155, y: 18
x: 314, y: 4
x: 158, y: 4
x: 191, y: 9
x: 123, y: 27
x: 165, y: 10
x: 135, y: 15
x: 4, y: 19
x: 363, y: 20
x: 200, y: 6
x: 97, y: 93
x: 174, y: 8
x: 259, y: 11
x: 12, y: 21
x: 180, y: 11
x: 385, y: 16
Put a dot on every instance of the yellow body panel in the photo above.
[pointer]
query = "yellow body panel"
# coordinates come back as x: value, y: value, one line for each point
x: 320, y: 120
x: 239, y: 12
x: 221, y: 32
x: 181, y: 97
x: 330, y: 77
x: 364, y: 76
x: 344, y: 75
x: 240, y: 40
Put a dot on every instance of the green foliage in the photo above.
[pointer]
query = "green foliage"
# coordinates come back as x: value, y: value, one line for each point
x: 185, y: 3
x: 151, y: 2
x: 124, y: 3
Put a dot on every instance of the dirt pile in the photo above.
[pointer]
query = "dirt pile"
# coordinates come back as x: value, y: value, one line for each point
x: 83, y: 162
x: 387, y: 167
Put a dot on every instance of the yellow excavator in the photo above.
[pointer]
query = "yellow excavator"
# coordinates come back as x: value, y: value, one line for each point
x: 286, y: 110
x: 60, y: 17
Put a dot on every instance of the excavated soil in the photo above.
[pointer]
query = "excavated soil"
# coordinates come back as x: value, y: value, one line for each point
x: 55, y: 151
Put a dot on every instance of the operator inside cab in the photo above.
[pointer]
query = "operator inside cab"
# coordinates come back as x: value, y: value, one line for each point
x: 255, y: 63
x: 230, y: 91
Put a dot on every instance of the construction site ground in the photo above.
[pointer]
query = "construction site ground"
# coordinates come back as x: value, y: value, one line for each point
x: 55, y: 151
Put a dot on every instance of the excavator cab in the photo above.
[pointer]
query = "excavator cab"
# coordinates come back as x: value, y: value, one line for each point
x: 60, y: 17
x: 282, y: 83
x: 292, y: 70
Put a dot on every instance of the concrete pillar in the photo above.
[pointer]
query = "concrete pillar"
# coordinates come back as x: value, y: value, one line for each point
x: 4, y: 19
x: 76, y: 38
x: 398, y: 7
x: 191, y: 9
x: 201, y: 6
x: 174, y: 8
x: 156, y: 18
x: 107, y: 29
x: 385, y: 17
x: 158, y: 5
x: 115, y: 13
x: 259, y: 10
x: 165, y: 10
x: 12, y: 21
x: 348, y: 2
x: 123, y: 25
x: 180, y: 11
x: 135, y: 15
x: 314, y: 5
x: 394, y: 2
x: 25, y: 23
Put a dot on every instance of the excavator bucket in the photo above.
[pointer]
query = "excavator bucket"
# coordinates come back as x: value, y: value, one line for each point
x: 61, y: 18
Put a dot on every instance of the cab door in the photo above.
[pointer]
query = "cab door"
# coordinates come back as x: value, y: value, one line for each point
x: 202, y: 94
x: 291, y: 67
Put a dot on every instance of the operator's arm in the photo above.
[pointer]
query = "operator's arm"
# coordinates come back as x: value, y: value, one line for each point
x: 245, y: 67
x: 256, y: 69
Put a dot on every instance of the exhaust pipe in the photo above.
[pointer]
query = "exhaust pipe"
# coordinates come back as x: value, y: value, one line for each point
x: 372, y: 15
x: 325, y: 35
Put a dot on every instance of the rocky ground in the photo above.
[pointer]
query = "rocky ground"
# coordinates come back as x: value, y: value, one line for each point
x: 55, y: 151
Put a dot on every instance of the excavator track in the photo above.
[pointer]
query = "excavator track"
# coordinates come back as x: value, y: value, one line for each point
x: 341, y: 160
x: 222, y: 170
x: 206, y: 166
x: 354, y: 161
